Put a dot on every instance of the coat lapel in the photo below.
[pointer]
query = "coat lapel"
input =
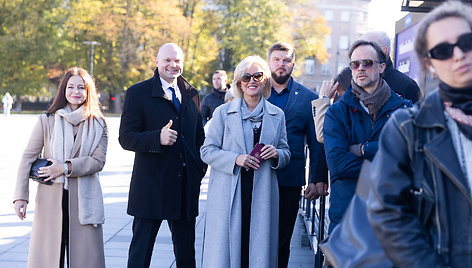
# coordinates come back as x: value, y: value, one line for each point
x: 293, y: 96
x: 235, y: 123
x: 441, y: 152
x: 269, y: 123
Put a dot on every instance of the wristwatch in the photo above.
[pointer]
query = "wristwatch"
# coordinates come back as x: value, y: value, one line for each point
x: 362, y: 149
x: 66, y: 168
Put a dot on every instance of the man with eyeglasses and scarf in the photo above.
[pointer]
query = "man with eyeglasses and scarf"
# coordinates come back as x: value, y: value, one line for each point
x: 398, y: 81
x: 353, y: 124
x: 295, y: 100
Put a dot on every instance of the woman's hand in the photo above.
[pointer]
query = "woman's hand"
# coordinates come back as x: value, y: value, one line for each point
x: 247, y: 161
x: 269, y: 151
x: 53, y: 171
x: 328, y: 88
x: 20, y: 208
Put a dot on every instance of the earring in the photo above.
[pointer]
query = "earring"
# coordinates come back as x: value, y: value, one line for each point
x: 431, y: 69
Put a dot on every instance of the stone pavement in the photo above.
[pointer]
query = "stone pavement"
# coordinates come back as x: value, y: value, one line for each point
x: 14, y: 233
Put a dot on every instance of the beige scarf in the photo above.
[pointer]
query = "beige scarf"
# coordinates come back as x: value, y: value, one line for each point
x: 90, y: 196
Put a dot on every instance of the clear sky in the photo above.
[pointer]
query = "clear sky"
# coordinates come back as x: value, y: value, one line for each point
x: 383, y: 14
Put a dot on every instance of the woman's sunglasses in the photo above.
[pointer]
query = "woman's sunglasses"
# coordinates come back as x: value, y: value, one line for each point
x: 445, y: 50
x: 257, y: 77
x: 355, y: 64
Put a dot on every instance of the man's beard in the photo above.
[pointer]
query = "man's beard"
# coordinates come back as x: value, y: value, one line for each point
x: 281, y: 79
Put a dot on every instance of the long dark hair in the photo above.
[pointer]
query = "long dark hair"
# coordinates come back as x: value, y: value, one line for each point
x: 91, y: 103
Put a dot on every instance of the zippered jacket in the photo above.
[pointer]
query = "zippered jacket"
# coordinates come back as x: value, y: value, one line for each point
x: 430, y: 225
x: 347, y: 123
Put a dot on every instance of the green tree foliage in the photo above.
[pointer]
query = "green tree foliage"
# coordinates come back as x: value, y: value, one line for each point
x: 309, y: 31
x: 29, y: 32
x: 201, y: 49
x: 249, y: 28
x: 39, y: 38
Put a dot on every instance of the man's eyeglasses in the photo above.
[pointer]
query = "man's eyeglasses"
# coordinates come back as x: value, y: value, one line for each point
x: 257, y: 77
x: 445, y: 50
x: 355, y: 64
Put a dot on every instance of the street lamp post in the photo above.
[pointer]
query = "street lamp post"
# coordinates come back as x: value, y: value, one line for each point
x: 92, y: 44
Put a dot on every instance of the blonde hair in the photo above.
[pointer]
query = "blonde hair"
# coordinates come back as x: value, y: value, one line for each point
x: 242, y: 68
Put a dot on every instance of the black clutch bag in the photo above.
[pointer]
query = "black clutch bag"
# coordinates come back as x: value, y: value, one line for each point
x: 34, y: 175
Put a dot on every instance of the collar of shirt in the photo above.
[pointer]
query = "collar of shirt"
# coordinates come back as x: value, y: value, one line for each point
x: 165, y: 87
x: 280, y: 99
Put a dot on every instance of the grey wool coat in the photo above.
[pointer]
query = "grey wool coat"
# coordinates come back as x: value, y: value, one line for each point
x: 223, y: 143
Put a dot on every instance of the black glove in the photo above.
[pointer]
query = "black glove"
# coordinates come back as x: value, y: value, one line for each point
x: 356, y: 149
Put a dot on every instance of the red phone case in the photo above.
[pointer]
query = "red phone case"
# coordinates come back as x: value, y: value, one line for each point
x: 256, y: 152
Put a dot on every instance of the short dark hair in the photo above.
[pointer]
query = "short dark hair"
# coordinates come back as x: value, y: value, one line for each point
x: 222, y: 72
x: 381, y: 57
x: 281, y: 46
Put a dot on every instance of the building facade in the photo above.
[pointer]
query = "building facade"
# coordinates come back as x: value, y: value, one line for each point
x: 348, y: 20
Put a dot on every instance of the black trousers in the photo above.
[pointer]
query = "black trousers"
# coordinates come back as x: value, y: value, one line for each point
x: 247, y: 183
x: 65, y: 229
x: 289, y: 198
x: 144, y: 236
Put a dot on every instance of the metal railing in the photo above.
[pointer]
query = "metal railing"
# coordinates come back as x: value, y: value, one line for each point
x: 314, y: 213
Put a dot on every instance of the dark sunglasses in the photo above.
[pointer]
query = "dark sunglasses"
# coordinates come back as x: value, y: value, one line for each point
x: 355, y: 64
x: 257, y: 77
x: 445, y: 50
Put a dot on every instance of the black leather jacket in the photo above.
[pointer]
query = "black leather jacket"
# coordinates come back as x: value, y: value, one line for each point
x: 430, y: 224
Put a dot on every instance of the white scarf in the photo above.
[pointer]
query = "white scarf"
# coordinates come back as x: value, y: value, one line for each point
x: 90, y: 196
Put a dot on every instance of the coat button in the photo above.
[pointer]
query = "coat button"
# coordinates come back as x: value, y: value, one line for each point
x: 176, y: 118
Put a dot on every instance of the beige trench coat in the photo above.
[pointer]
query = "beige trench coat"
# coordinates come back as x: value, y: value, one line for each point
x: 86, y: 241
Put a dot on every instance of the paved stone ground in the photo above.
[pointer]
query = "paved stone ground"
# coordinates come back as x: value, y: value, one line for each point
x: 14, y: 233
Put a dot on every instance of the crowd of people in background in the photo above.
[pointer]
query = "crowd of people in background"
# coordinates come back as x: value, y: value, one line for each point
x: 253, y: 136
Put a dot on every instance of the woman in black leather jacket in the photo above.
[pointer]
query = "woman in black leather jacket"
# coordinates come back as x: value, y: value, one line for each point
x: 421, y: 205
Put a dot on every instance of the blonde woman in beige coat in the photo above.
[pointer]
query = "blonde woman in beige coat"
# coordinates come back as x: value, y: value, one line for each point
x: 68, y: 218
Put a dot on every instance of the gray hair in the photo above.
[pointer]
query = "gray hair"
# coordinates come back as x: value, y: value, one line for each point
x: 448, y: 9
x: 379, y: 37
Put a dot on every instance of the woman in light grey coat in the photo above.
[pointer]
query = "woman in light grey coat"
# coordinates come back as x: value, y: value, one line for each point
x: 241, y: 227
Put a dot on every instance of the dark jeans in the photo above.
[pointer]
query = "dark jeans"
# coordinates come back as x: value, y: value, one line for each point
x: 144, y: 236
x: 289, y: 198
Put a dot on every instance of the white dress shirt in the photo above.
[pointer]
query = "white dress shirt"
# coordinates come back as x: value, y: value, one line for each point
x: 165, y: 87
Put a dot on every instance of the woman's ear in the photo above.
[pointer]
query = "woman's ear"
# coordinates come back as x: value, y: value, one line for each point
x: 431, y: 69
x: 428, y: 66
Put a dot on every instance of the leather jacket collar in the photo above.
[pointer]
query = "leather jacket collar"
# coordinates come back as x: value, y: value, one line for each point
x: 431, y: 112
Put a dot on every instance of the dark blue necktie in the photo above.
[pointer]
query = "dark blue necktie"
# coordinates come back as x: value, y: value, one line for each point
x: 175, y: 100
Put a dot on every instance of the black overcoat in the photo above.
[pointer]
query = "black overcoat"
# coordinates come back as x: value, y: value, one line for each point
x: 159, y: 189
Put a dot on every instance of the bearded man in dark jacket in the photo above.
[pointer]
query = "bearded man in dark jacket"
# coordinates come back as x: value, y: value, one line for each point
x: 352, y: 125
